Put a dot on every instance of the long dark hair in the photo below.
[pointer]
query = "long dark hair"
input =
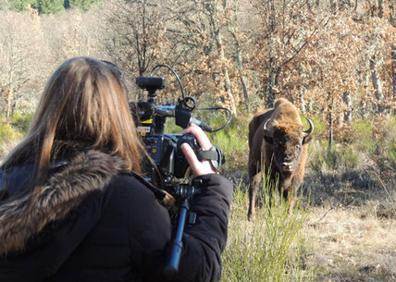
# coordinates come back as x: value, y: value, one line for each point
x: 84, y: 104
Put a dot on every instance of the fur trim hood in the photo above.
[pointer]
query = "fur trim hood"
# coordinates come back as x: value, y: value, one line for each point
x: 23, y: 216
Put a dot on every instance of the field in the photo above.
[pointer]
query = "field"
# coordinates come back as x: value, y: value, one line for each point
x: 341, y: 233
x: 344, y: 228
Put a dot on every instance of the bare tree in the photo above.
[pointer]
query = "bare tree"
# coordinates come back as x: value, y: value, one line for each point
x: 347, y: 99
x: 233, y: 29
x: 377, y: 84
x: 136, y: 34
x: 392, y: 12
x: 393, y: 55
x: 200, y: 30
x: 20, y: 40
x: 74, y: 33
x: 287, y: 27
x: 214, y: 14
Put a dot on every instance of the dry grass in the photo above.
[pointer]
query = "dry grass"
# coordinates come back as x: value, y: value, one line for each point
x: 348, y: 232
x: 351, y: 244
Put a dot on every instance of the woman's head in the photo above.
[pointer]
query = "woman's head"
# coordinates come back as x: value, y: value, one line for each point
x: 84, y: 103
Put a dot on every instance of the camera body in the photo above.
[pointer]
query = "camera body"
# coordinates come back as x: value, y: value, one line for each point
x: 164, y: 150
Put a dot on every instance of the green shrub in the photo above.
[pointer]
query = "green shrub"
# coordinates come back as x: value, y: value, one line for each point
x: 233, y: 140
x: 362, y: 136
x: 341, y: 157
x: 387, y: 143
x: 21, y: 121
x: 8, y: 138
x: 7, y: 132
x: 320, y: 127
x: 349, y: 158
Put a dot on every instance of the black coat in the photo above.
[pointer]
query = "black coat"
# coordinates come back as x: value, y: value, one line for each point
x: 91, y: 222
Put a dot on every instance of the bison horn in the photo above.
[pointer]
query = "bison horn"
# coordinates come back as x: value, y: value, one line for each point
x: 308, y: 132
x: 311, y: 127
x: 267, y: 132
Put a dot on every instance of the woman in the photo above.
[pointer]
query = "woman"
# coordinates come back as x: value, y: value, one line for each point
x: 73, y: 207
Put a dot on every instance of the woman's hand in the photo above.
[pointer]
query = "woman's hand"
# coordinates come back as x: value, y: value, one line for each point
x: 198, y: 168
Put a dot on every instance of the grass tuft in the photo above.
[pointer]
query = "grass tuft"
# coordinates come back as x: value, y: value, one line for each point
x: 270, y: 248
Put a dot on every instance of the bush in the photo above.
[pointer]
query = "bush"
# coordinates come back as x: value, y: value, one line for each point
x: 341, y: 157
x: 21, y: 121
x: 320, y: 127
x: 363, y: 136
x: 387, y: 144
x: 8, y: 138
x: 268, y: 249
x: 8, y: 133
x: 233, y: 140
x: 11, y: 131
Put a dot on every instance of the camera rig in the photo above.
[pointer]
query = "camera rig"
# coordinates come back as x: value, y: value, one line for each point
x: 165, y: 166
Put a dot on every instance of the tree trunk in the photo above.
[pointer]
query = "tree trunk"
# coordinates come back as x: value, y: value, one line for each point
x: 333, y: 6
x: 392, y: 13
x: 270, y: 97
x: 379, y: 95
x: 244, y: 86
x: 241, y: 75
x: 271, y: 73
x: 330, y: 120
x: 233, y: 30
x: 309, y: 5
x: 346, y: 97
x: 9, y: 98
x: 394, y: 71
x: 309, y: 107
x: 355, y: 6
x: 213, y: 14
x: 302, y: 99
x: 380, y: 8
x: 224, y: 70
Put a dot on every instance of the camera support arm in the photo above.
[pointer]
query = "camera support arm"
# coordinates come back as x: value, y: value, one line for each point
x: 186, y: 193
x: 172, y: 266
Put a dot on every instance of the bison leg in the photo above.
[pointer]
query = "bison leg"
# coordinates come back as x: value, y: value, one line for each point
x: 253, y: 189
x: 291, y: 203
x: 287, y: 196
x: 290, y: 196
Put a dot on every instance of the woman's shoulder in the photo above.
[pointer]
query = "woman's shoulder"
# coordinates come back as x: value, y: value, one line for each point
x: 130, y: 185
x: 131, y: 196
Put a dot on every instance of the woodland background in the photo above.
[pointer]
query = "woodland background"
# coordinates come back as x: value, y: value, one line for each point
x: 335, y: 59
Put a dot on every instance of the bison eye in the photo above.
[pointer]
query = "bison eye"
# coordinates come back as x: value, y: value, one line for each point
x: 298, y: 147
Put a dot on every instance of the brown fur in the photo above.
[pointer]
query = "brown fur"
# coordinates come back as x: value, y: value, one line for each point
x: 27, y: 215
x: 264, y: 157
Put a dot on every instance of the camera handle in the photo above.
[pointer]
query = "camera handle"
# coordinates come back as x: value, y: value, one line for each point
x: 172, y: 267
x: 185, y: 193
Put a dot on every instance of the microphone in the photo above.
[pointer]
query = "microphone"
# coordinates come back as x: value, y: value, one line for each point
x: 201, y: 124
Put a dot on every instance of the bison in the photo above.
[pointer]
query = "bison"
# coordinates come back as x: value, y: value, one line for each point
x: 278, y: 148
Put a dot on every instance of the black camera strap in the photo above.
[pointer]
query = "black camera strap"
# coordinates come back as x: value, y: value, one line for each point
x: 161, y: 195
x: 210, y: 154
x: 214, y: 154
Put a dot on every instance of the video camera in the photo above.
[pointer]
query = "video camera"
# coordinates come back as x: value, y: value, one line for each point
x: 166, y: 167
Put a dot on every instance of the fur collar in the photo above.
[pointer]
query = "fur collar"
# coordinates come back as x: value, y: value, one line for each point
x: 27, y: 215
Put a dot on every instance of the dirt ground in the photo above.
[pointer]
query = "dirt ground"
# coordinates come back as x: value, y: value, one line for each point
x: 350, y: 233
x: 350, y: 244
x: 351, y: 228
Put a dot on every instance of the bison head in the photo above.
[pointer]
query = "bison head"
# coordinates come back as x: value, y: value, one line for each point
x: 287, y: 141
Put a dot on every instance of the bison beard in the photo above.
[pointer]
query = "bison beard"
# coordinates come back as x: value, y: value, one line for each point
x: 278, y: 148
